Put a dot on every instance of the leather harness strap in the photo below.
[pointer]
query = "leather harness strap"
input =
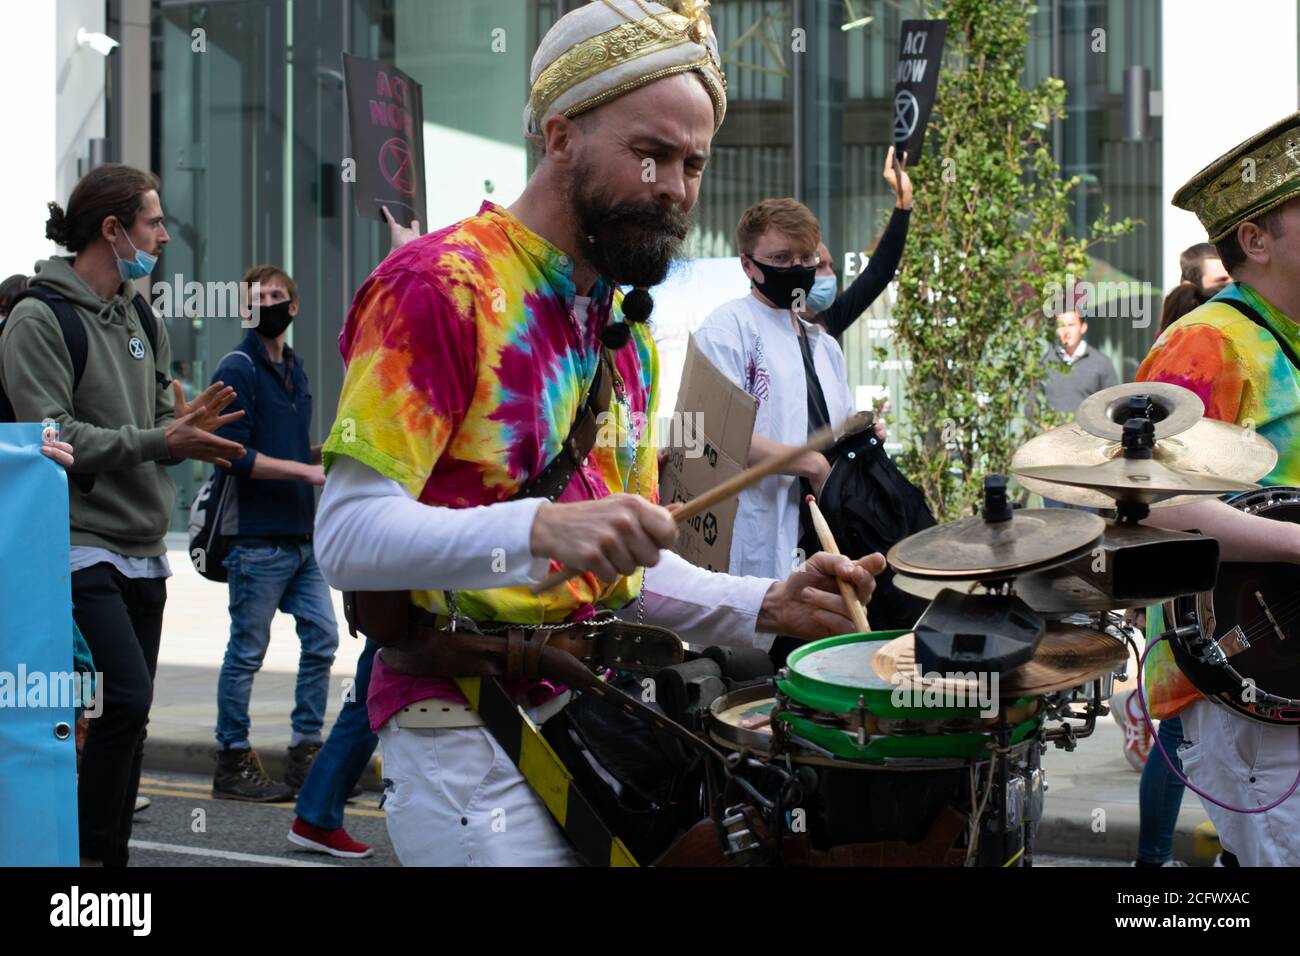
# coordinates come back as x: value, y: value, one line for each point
x: 440, y: 653
x: 551, y: 481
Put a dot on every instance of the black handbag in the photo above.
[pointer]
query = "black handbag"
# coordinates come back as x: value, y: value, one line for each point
x: 870, y: 506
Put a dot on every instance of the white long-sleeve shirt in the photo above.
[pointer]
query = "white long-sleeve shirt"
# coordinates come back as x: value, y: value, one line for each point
x: 371, y: 535
x: 757, y: 348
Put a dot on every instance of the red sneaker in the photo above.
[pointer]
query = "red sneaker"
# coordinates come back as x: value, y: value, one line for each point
x: 334, y: 842
x: 1126, y: 708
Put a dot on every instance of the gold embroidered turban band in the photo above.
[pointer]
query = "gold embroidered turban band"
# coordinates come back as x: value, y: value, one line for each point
x: 606, y: 48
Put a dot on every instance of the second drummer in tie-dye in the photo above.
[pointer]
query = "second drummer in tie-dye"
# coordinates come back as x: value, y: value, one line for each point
x: 1243, y: 377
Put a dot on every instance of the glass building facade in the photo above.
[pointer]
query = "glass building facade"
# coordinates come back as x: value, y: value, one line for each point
x: 249, y: 137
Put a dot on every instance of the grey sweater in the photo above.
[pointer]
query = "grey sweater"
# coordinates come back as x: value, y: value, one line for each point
x: 116, y: 420
x: 1068, y: 385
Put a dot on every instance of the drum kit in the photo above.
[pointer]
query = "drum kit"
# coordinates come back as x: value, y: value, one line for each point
x: 923, y: 747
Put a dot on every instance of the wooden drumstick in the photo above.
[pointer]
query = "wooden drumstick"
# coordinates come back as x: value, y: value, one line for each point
x: 856, y: 610
x: 820, y: 440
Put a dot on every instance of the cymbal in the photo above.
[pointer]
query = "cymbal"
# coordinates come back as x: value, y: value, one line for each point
x: 975, y: 548
x: 1209, y: 447
x: 1133, y: 566
x: 1054, y: 590
x: 1136, y: 479
x: 1174, y: 409
x: 1068, y: 656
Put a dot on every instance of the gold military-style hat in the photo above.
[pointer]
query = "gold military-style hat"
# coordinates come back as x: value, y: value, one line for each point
x: 1250, y: 179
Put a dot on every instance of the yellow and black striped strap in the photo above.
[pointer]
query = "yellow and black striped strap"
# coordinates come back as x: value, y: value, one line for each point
x: 545, y: 772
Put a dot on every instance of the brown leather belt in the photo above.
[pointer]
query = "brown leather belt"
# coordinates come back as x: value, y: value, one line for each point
x: 523, y: 654
x: 416, y: 642
x: 413, y: 643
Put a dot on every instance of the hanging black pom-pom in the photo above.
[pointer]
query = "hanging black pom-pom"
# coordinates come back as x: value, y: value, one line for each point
x: 637, y: 305
x: 615, y: 335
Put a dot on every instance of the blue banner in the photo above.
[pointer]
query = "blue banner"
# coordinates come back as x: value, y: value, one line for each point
x: 38, y: 686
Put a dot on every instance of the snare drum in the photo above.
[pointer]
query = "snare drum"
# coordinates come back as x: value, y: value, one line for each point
x: 831, y: 700
x: 882, y: 772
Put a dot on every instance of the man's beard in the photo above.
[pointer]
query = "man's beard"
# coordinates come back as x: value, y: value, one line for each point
x: 629, y: 243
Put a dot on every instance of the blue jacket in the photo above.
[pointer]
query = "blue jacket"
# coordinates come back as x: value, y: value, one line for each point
x: 277, y: 417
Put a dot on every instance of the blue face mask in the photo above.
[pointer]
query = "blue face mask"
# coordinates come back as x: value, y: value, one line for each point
x: 136, y: 268
x: 822, y: 294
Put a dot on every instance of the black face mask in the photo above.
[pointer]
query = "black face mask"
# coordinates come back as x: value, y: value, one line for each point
x: 781, y: 286
x: 272, y: 320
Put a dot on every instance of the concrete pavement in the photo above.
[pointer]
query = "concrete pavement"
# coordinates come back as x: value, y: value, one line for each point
x: 196, y: 626
x: 1092, y: 799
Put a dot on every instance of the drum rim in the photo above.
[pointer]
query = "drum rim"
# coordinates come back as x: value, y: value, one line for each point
x: 842, y: 699
x: 814, y: 692
x: 740, y: 736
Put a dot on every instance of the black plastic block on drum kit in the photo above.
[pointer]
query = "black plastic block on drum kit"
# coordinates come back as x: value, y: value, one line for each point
x: 984, y: 633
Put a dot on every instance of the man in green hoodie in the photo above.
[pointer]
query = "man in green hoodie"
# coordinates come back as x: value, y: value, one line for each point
x: 126, y: 426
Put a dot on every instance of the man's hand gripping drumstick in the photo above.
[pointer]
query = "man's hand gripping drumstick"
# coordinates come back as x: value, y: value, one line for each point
x: 613, y: 536
x: 824, y: 535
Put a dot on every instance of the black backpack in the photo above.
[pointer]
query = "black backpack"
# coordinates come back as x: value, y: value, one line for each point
x: 74, y: 336
x: 870, y: 506
x: 208, y: 546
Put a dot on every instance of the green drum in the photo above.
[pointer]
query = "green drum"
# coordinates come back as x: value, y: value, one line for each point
x: 830, y: 696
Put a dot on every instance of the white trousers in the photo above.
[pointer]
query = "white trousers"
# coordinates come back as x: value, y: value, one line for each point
x: 457, y: 799
x: 1247, y: 764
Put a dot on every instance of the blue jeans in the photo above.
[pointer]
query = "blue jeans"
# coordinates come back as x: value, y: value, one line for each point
x: 343, y: 759
x: 262, y: 580
x: 1160, y: 796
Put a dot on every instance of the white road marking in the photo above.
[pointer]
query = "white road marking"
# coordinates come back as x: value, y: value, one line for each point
x: 222, y: 854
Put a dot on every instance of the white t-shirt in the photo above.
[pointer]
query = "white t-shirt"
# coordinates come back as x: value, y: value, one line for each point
x: 757, y: 348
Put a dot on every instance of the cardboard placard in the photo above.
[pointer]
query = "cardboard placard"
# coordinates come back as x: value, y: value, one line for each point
x: 386, y: 118
x: 707, y: 402
x: 920, y: 55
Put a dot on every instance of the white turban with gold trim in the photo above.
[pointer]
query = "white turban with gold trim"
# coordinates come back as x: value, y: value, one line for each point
x: 606, y: 48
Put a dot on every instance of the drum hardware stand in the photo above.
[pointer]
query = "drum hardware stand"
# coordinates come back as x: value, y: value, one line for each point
x: 1067, y: 735
x: 1138, y: 441
x: 742, y: 845
x: 1036, y: 787
x: 1003, y: 764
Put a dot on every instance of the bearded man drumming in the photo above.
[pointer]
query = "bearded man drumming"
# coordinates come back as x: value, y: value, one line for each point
x: 469, y: 352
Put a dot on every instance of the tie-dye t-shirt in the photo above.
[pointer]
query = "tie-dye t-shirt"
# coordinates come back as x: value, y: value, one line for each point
x: 465, y: 369
x: 1243, y: 377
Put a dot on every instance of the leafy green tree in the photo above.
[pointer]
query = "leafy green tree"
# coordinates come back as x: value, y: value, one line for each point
x: 988, y: 250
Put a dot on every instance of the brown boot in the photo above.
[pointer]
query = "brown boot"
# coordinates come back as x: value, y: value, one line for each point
x: 240, y: 776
